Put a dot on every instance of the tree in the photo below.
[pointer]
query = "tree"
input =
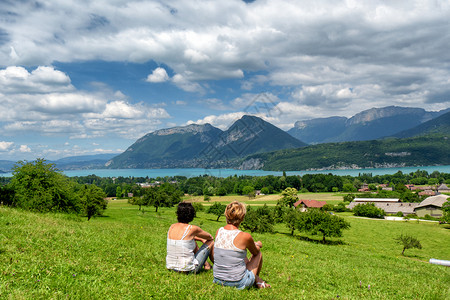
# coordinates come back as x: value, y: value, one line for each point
x: 408, y: 242
x: 39, y: 186
x: 446, y: 211
x: 249, y: 191
x: 348, y: 188
x: 316, y: 222
x: 291, y: 219
x: 217, y: 209
x: 289, y: 197
x: 259, y: 220
x: 368, y: 210
x: 93, y: 200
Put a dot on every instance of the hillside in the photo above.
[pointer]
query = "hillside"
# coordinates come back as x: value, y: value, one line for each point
x: 204, y: 145
x: 370, y: 124
x: 438, y: 126
x: 420, y: 151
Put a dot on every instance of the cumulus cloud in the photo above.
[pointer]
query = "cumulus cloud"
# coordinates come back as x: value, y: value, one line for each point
x: 43, y: 101
x: 24, y: 149
x: 5, y: 146
x: 158, y: 75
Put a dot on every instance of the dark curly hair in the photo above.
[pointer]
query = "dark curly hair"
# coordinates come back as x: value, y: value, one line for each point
x: 185, y: 212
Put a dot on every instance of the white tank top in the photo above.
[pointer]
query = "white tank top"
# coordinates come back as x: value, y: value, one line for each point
x: 180, y: 253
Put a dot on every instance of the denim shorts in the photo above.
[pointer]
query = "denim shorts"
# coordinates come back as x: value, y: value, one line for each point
x: 246, y: 282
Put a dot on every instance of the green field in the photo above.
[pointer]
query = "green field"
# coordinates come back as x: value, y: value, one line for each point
x: 122, y: 256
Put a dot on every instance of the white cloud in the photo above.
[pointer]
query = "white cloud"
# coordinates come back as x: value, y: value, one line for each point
x: 158, y: 75
x: 24, y: 149
x: 5, y: 146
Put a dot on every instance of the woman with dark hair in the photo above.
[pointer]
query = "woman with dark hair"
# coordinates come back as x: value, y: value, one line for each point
x: 231, y: 266
x: 183, y: 254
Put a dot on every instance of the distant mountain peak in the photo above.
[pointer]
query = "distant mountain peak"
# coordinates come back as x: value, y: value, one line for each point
x: 373, y: 114
x: 192, y: 128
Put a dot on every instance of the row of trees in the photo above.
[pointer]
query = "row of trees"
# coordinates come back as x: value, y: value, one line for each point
x: 208, y: 185
x: 39, y: 186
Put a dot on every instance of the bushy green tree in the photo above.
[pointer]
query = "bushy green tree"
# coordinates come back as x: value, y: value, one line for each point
x: 92, y: 200
x: 291, y: 219
x: 39, y: 186
x: 408, y: 242
x: 368, y: 210
x: 317, y: 222
x: 259, y: 220
x: 289, y: 197
x: 217, y: 209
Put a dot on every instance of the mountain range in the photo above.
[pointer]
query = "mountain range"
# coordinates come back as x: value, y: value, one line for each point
x: 204, y: 145
x: 371, y: 124
x: 252, y: 143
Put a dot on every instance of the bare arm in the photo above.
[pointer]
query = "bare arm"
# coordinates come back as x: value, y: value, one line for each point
x: 199, y: 234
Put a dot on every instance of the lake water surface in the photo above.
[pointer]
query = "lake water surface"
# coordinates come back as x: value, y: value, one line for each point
x: 153, y: 173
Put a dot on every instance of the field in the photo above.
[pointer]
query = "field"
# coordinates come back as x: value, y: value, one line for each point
x: 122, y: 256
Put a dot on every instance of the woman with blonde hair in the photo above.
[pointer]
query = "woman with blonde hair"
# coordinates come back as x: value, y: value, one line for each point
x: 231, y: 266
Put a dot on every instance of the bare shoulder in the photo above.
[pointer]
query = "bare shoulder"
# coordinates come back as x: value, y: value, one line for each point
x: 245, y: 236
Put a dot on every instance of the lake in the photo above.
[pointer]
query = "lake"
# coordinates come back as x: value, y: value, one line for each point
x: 153, y: 173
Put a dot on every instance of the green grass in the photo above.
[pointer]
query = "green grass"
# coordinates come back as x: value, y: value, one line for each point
x: 122, y: 256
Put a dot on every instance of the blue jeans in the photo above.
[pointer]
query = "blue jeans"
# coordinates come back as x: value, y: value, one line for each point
x: 247, y: 281
x: 201, y: 256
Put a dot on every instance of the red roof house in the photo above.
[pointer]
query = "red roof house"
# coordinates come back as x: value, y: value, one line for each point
x: 303, y: 205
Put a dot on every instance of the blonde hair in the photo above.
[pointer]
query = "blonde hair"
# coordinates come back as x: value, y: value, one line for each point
x: 235, y: 213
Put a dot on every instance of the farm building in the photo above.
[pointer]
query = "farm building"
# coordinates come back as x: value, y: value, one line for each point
x: 443, y: 188
x: 389, y: 205
x: 303, y: 205
x: 431, y: 206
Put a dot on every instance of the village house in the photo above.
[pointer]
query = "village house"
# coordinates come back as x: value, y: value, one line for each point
x: 427, y: 193
x: 303, y: 205
x: 431, y: 206
x: 389, y: 205
x: 443, y: 188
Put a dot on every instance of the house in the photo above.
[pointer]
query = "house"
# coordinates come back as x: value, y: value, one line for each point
x: 427, y: 193
x: 431, y: 206
x: 389, y: 205
x: 303, y: 205
x: 443, y: 188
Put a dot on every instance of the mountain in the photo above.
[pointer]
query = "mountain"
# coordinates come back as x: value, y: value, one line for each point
x: 385, y: 153
x: 204, y: 145
x: 254, y: 135
x: 96, y: 161
x: 370, y: 124
x: 164, y: 148
x: 437, y: 126
x: 318, y: 130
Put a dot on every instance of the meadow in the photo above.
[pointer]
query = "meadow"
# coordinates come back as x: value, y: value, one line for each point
x: 122, y: 256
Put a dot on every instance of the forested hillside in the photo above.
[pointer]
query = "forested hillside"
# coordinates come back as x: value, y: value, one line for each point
x: 421, y: 151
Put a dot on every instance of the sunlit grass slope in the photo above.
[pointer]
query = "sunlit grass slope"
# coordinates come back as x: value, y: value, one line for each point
x: 122, y: 256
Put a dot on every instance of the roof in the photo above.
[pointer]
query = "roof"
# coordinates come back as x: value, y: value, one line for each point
x: 438, y: 201
x: 376, y: 200
x: 310, y: 203
x: 443, y: 187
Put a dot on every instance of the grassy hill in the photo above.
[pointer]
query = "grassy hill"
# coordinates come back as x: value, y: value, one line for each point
x: 420, y: 151
x: 122, y: 256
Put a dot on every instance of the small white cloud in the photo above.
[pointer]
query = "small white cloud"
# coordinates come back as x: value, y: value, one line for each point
x: 24, y: 149
x: 186, y: 85
x: 180, y: 102
x: 5, y: 146
x: 158, y: 75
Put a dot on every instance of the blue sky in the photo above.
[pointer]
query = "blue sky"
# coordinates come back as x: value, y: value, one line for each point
x: 91, y: 77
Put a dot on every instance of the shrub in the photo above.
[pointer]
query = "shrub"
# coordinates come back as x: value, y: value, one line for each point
x: 198, y: 206
x: 368, y: 210
x: 408, y: 242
